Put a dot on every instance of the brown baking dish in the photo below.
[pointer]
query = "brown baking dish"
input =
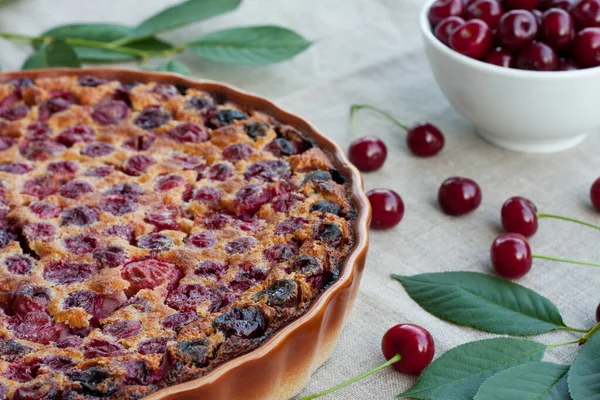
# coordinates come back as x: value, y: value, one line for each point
x: 283, y: 364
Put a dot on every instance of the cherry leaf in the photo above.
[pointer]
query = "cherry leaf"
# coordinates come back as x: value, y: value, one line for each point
x: 483, y: 302
x: 531, y: 381
x: 250, y: 45
x: 458, y: 374
x: 51, y: 55
x: 182, y: 14
x: 174, y: 66
x: 584, y: 375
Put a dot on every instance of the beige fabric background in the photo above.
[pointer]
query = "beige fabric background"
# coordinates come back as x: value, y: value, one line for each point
x: 370, y: 51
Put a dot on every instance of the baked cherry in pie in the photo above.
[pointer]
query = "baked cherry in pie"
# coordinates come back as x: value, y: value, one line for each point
x: 150, y: 232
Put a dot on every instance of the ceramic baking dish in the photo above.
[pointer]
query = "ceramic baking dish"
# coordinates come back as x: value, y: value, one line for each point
x: 281, y: 366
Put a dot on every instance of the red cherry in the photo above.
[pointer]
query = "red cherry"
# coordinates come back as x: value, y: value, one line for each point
x: 519, y: 216
x: 387, y: 207
x: 598, y: 313
x: 537, y: 56
x: 414, y: 344
x: 473, y: 39
x: 595, y: 194
x: 586, y: 48
x: 516, y: 29
x: 489, y: 11
x: 443, y: 9
x: 521, y: 4
x: 367, y: 153
x: 586, y: 14
x: 458, y: 196
x: 424, y: 140
x: 566, y: 5
x: 500, y: 57
x: 567, y: 64
x: 539, y: 17
x: 444, y: 29
x: 511, y: 255
x: 558, y: 29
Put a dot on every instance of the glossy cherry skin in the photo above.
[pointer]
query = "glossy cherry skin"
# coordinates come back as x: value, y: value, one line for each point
x: 539, y: 17
x: 586, y: 48
x: 519, y: 216
x: 516, y: 29
x: 586, y: 14
x: 387, y: 208
x: 444, y: 29
x: 413, y: 343
x: 567, y: 64
x: 537, y: 56
x: 566, y: 5
x: 500, y: 57
x: 521, y: 4
x: 489, y: 11
x: 558, y: 29
x: 473, y: 39
x: 595, y: 194
x: 459, y: 196
x: 511, y: 255
x: 598, y: 313
x: 443, y: 9
x: 367, y: 153
x: 425, y: 140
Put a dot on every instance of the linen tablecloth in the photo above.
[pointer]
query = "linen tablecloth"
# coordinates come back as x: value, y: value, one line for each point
x: 370, y: 51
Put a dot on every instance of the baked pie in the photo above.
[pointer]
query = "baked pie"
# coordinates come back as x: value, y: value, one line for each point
x: 150, y: 232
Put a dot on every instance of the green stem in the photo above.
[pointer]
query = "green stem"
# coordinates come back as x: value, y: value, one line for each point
x: 577, y: 221
x: 391, y: 361
x: 95, y: 44
x: 571, y: 329
x: 356, y: 107
x: 588, y: 335
x: 551, y: 346
x: 564, y: 260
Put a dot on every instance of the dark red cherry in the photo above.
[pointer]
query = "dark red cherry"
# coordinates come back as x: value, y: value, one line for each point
x: 511, y: 255
x: 598, y: 313
x: 519, y: 216
x: 499, y: 57
x: 444, y: 29
x: 537, y: 56
x: 413, y: 343
x: 387, y: 208
x: 558, y: 29
x: 595, y: 194
x: 458, y: 196
x: 442, y: 9
x: 516, y: 29
x: 539, y: 17
x: 586, y: 14
x: 521, y: 4
x: 424, y: 140
x: 586, y: 48
x: 489, y: 11
x: 367, y: 153
x: 472, y: 39
x: 567, y: 64
x: 566, y: 5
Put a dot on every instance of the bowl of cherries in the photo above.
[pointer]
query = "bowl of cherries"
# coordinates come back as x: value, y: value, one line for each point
x: 525, y: 72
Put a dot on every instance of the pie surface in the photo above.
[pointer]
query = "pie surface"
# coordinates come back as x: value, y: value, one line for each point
x: 151, y: 232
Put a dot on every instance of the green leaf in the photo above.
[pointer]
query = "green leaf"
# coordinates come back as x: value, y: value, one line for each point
x: 458, y: 373
x: 532, y: 381
x: 105, y: 33
x: 250, y: 45
x: 483, y: 302
x: 174, y: 66
x: 54, y: 54
x: 182, y: 14
x: 584, y: 375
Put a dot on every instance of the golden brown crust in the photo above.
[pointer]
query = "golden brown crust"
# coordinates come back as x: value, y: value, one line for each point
x: 150, y: 233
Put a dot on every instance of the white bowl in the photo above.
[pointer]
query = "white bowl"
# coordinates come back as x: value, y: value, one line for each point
x: 528, y: 111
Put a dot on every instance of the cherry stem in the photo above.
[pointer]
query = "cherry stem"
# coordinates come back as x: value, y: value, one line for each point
x: 588, y: 335
x: 356, y: 107
x: 571, y: 329
x: 577, y: 221
x: 551, y: 346
x: 389, y: 362
x: 564, y: 260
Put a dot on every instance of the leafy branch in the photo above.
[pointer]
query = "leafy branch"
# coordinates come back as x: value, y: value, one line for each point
x: 70, y: 45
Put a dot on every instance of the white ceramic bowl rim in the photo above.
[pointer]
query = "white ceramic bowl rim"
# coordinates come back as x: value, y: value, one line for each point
x: 511, y: 72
